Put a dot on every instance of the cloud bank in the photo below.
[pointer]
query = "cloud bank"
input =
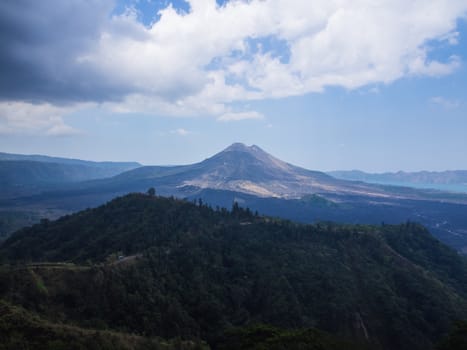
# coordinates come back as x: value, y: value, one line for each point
x: 66, y: 53
x: 236, y: 116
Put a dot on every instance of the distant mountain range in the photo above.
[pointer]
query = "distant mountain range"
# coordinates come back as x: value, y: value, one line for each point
x: 242, y: 169
x: 116, y: 166
x: 451, y: 180
x: 26, y: 174
x: 244, y: 174
x: 250, y: 170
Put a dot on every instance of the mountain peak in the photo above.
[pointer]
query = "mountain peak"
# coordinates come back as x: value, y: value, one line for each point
x: 243, y: 168
x: 241, y: 147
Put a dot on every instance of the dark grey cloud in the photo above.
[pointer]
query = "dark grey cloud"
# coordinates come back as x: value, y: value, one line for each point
x: 40, y: 41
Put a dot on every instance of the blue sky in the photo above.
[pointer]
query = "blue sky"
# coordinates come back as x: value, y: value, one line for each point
x: 333, y: 85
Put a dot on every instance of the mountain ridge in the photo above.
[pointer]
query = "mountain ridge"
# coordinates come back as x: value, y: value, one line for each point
x: 251, y: 170
x: 425, y: 176
x: 62, y: 160
x: 23, y: 173
x: 252, y: 177
x: 448, y: 180
x: 199, y: 271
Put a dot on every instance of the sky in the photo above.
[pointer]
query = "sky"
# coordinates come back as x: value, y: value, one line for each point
x: 375, y: 85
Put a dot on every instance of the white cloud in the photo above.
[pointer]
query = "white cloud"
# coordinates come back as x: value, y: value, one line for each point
x: 237, y: 116
x: 45, y: 118
x: 181, y: 132
x: 446, y: 103
x: 200, y: 62
x: 61, y: 129
x: 452, y: 38
x: 419, y: 66
x: 331, y: 43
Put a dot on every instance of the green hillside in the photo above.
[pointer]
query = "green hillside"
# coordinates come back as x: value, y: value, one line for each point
x: 19, y: 329
x: 170, y: 268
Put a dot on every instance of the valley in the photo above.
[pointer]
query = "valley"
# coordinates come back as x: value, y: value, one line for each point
x: 255, y: 179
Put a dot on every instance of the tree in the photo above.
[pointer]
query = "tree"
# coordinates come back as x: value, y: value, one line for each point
x: 457, y: 338
x: 151, y: 191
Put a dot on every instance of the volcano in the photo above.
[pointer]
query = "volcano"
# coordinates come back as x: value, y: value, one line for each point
x: 247, y: 169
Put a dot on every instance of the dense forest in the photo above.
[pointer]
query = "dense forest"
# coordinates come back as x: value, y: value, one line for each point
x: 142, y: 267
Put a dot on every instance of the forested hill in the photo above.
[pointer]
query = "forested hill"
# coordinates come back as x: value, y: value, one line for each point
x: 171, y: 268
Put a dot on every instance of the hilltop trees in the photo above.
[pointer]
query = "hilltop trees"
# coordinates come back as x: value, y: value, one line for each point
x: 194, y: 272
